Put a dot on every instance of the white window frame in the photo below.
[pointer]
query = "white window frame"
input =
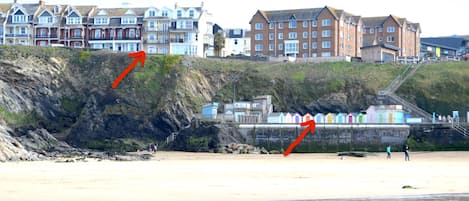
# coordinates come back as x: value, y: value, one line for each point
x: 75, y: 31
x: 101, y: 21
x: 372, y: 30
x: 259, y: 36
x: 280, y: 25
x: 271, y: 36
x: 305, y: 45
x: 305, y: 24
x: 280, y: 36
x: 314, y: 34
x: 271, y: 47
x: 326, y: 44
x: 19, y: 19
x: 390, y: 29
x: 129, y: 20
x: 45, y: 20
x: 305, y: 34
x: 326, y: 33
x: 326, y: 22
x: 390, y: 39
x: 258, y: 47
x: 280, y: 46
x: 380, y: 29
x: 314, y: 55
x: 292, y: 35
x: 325, y: 54
x: 73, y: 20
x: 292, y: 24
x: 271, y: 25
x: 314, y: 45
x: 259, y: 26
x: 314, y: 23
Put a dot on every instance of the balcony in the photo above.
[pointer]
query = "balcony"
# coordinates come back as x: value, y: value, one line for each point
x: 178, y: 40
x: 18, y: 35
x: 72, y: 37
x: 47, y: 36
x: 156, y: 41
x: 114, y: 38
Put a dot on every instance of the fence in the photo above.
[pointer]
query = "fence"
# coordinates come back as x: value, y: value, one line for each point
x: 310, y: 59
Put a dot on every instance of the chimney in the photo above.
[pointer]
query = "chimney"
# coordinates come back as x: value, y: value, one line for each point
x: 42, y: 3
x: 176, y: 5
x: 202, y: 4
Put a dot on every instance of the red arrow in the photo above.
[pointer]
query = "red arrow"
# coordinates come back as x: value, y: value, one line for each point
x: 139, y: 57
x: 311, y: 126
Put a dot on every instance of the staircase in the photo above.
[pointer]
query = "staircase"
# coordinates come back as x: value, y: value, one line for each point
x: 461, y: 130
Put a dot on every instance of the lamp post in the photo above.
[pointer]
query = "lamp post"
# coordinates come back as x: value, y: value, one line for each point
x: 234, y: 79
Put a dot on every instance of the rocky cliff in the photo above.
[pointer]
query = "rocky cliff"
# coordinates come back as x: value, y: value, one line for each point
x: 56, y: 98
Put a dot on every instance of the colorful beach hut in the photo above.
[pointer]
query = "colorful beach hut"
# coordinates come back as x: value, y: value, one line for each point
x: 330, y: 118
x: 350, y: 118
x: 297, y: 118
x: 319, y: 118
x: 288, y: 118
x: 307, y: 117
x: 361, y: 118
x: 340, y: 118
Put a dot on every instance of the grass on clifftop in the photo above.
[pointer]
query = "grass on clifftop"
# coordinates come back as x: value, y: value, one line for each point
x: 439, y: 87
x: 17, y: 119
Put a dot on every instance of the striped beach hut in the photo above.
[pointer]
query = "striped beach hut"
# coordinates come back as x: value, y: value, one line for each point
x: 319, y: 118
x: 330, y: 118
x: 297, y: 118
x: 307, y: 117
x: 340, y: 118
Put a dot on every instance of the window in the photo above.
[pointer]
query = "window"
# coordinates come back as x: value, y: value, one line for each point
x: 259, y: 26
x: 326, y: 44
x: 191, y: 13
x: 56, y: 9
x: 23, y: 30
x: 97, y: 33
x: 314, y: 34
x: 74, y: 20
x: 164, y: 13
x: 380, y: 29
x: 314, y: 55
x: 165, y: 26
x: 305, y: 24
x: 113, y: 33
x: 305, y: 55
x: 305, y: 45
x: 390, y: 38
x: 314, y: 45
x: 314, y: 23
x: 271, y: 47
x: 326, y: 33
x: 372, y: 30
x: 129, y: 20
x: 292, y: 24
x: 292, y: 35
x: 179, y: 13
x: 280, y: 25
x: 132, y: 33
x: 380, y: 38
x: 259, y: 36
x: 152, y: 13
x: 271, y: 36
x: 325, y: 54
x: 152, y: 37
x: 291, y: 47
x: 42, y: 32
x: 76, y: 33
x: 326, y: 22
x: 101, y: 20
x: 305, y: 34
x: 271, y: 25
x: 390, y: 29
x: 76, y: 45
x: 258, y: 47
x: 280, y: 36
x: 364, y: 30
x: 280, y: 46
x: 45, y: 20
x: 151, y: 25
x: 43, y: 43
x: 19, y: 19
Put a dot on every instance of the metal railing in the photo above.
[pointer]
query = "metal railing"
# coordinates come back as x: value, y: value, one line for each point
x: 18, y: 35
x: 115, y: 38
x: 47, y: 36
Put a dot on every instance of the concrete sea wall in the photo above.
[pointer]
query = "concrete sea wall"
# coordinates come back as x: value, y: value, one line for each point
x: 327, y: 137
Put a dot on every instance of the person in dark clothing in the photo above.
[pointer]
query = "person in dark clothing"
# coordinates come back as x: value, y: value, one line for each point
x: 406, y: 152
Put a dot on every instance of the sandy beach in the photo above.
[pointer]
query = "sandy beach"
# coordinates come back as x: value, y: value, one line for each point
x: 204, y: 176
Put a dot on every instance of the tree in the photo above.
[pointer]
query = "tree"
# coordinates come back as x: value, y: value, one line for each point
x: 219, y: 43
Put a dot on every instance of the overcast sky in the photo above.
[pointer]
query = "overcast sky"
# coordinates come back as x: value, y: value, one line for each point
x: 437, y: 18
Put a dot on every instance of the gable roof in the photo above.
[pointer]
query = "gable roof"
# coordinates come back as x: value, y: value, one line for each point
x: 383, y: 45
x: 284, y: 15
x: 379, y: 22
x: 119, y: 12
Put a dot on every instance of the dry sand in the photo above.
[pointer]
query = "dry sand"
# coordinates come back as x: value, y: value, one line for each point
x: 203, y: 176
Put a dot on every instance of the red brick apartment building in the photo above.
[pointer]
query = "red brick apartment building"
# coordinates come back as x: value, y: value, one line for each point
x: 324, y: 32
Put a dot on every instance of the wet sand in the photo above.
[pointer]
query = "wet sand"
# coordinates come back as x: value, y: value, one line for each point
x: 203, y: 176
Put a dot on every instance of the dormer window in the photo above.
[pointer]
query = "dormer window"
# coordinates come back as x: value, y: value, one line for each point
x: 129, y: 20
x: 191, y: 13
x: 56, y: 9
x: 152, y: 13
x: 101, y: 20
x: 102, y: 12
x: 179, y: 13
x: 19, y: 17
x: 45, y: 20
x: 73, y: 18
x: 164, y: 13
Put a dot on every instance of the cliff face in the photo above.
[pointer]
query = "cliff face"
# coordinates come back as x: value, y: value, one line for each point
x: 51, y: 96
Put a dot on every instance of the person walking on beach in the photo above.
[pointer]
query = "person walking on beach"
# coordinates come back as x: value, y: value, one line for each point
x: 406, y: 152
x: 388, y: 151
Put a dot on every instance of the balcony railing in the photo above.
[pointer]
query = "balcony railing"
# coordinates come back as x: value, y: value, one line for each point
x: 114, y: 38
x: 18, y: 35
x: 178, y: 40
x: 47, y: 36
x: 156, y: 41
x: 72, y: 37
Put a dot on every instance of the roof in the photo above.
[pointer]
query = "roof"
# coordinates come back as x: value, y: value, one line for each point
x: 379, y: 21
x: 30, y: 8
x: 383, y: 45
x: 4, y: 7
x: 119, y: 12
x: 451, y: 42
x: 285, y: 15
